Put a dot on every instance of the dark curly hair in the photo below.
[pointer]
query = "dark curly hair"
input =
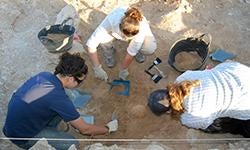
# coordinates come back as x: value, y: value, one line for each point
x: 71, y: 65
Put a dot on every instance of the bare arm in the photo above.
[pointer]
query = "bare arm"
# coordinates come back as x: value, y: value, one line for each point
x: 127, y: 61
x: 94, y: 57
x: 88, y: 129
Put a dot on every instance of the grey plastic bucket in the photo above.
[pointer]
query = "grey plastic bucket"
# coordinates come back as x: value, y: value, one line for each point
x: 61, y: 45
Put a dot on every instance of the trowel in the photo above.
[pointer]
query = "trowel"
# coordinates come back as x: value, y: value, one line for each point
x: 155, y: 77
x: 113, y: 117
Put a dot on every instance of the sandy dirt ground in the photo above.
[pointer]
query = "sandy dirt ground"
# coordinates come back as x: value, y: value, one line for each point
x: 22, y: 55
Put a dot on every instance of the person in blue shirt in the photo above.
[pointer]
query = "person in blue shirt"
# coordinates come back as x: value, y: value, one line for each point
x: 39, y: 104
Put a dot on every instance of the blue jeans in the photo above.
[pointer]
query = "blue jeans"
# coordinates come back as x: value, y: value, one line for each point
x: 52, y: 133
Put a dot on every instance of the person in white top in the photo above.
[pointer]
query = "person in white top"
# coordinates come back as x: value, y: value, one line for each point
x: 215, y: 100
x: 123, y: 23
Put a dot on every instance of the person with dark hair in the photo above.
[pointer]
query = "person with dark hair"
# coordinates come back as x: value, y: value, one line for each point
x: 38, y: 105
x: 126, y: 24
x: 214, y: 100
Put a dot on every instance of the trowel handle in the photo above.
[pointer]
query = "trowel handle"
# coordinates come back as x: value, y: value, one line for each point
x: 209, y: 36
x: 151, y: 75
x: 150, y: 67
x: 65, y: 21
x: 157, y: 61
x: 113, y: 117
x: 158, y: 69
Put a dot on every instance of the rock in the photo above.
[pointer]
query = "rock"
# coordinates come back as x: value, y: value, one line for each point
x: 77, y: 47
x: 68, y: 12
x: 138, y: 111
x: 247, y: 1
x: 99, y: 146
x: 72, y: 147
x: 158, y: 147
x: 42, y: 144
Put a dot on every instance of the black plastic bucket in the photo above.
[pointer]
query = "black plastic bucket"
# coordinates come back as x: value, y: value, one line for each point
x: 190, y: 45
x: 59, y: 45
x: 153, y: 101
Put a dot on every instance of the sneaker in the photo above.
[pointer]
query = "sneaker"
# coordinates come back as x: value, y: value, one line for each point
x: 139, y: 57
x: 109, y: 55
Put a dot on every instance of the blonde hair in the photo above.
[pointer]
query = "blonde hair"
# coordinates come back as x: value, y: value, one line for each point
x: 178, y: 91
x: 131, y: 21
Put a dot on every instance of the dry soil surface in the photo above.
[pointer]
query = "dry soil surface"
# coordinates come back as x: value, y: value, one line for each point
x: 22, y: 55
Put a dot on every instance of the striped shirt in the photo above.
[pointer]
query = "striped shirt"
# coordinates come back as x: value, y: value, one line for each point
x: 224, y: 91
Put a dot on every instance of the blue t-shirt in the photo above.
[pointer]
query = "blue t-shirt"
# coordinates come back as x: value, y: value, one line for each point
x: 35, y: 103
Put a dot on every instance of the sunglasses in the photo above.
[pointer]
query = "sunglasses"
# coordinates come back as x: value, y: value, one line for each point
x: 79, y: 81
x: 129, y: 34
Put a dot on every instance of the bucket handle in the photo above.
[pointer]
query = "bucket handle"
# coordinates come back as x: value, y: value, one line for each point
x: 65, y: 21
x: 45, y: 40
x: 201, y: 37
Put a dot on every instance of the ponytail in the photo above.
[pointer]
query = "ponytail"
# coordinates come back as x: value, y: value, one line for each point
x: 130, y: 23
x: 134, y: 13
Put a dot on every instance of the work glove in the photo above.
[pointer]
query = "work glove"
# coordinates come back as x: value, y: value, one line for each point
x: 112, y: 125
x: 100, y: 73
x: 123, y: 74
